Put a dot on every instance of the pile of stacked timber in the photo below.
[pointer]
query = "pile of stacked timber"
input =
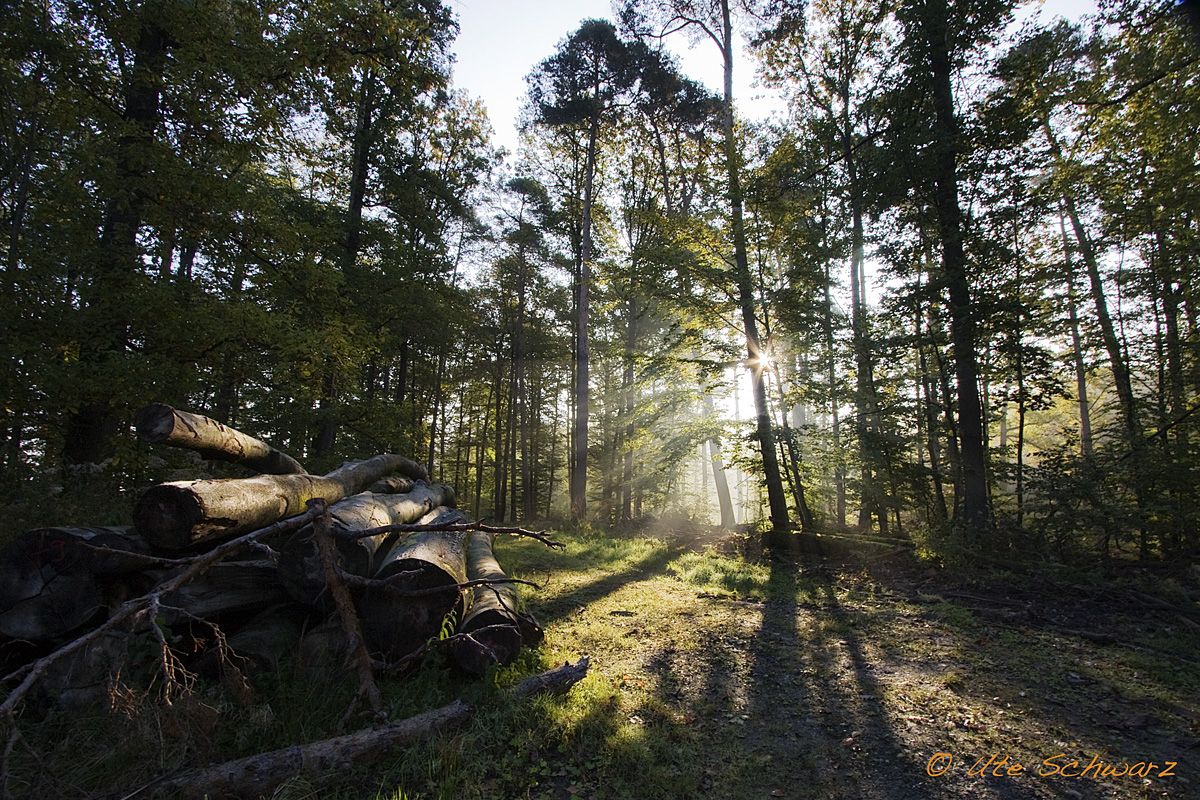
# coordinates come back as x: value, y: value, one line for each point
x: 371, y: 562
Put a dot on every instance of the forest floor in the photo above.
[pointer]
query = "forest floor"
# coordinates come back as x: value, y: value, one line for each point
x: 714, y: 676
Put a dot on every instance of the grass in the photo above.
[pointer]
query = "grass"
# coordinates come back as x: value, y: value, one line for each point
x: 712, y: 677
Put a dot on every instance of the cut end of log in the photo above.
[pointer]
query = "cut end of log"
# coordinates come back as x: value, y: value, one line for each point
x: 166, y: 515
x: 155, y: 422
x: 492, y: 640
x: 397, y: 626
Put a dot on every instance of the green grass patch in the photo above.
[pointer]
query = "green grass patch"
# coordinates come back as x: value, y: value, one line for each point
x: 722, y: 575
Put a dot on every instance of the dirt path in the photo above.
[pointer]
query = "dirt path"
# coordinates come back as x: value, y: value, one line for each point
x: 719, y: 679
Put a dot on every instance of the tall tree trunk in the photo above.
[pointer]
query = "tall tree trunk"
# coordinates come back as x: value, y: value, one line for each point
x: 579, y: 442
x: 976, y: 512
x: 91, y: 427
x: 864, y: 400
x: 839, y: 470
x: 1108, y: 332
x: 1081, y: 388
x: 777, y: 500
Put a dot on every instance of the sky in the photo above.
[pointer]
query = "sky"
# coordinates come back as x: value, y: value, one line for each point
x: 500, y: 42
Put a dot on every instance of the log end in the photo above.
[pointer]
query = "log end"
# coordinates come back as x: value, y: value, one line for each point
x: 491, y: 639
x: 394, y: 625
x: 167, y: 514
x: 155, y: 422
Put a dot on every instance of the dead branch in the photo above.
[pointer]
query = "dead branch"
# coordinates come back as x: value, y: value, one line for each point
x: 367, y: 688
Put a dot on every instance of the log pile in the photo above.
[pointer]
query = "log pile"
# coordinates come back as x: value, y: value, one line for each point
x: 371, y: 561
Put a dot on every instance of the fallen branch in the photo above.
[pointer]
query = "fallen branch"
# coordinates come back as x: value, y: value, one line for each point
x: 134, y: 610
x: 259, y: 774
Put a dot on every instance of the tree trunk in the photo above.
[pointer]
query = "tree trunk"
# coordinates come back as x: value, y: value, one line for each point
x: 394, y: 625
x: 259, y: 774
x: 1108, y: 332
x: 756, y: 356
x: 300, y: 567
x: 177, y: 515
x: 497, y: 628
x: 1081, y: 389
x: 976, y: 511
x: 48, y: 578
x: 92, y: 426
x: 579, y: 443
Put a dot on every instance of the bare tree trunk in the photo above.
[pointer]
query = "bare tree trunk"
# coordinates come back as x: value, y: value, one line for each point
x: 976, y: 510
x: 754, y: 351
x: 579, y: 443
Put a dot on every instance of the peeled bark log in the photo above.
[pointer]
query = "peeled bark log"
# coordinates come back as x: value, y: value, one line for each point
x: 177, y: 515
x: 497, y: 630
x: 161, y: 424
x: 300, y: 563
x: 395, y: 625
x: 48, y: 585
x: 257, y: 775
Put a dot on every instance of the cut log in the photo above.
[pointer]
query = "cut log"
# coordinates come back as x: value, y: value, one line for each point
x: 48, y: 578
x: 257, y: 775
x: 225, y: 589
x: 395, y: 625
x: 177, y: 515
x: 161, y: 424
x: 497, y: 630
x: 300, y: 563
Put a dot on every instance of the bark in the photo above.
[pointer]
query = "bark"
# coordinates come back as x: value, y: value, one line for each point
x: 497, y: 630
x: 228, y: 588
x: 162, y: 424
x: 268, y: 638
x: 258, y: 774
x: 48, y: 578
x: 976, y: 511
x: 177, y: 515
x: 300, y: 560
x: 393, y: 484
x: 394, y: 625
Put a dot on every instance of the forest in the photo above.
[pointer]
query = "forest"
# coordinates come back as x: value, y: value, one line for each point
x: 940, y: 317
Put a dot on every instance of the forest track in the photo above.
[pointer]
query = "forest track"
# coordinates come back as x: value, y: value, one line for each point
x: 825, y: 680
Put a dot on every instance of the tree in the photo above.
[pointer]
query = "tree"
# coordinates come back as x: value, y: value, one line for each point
x: 713, y: 20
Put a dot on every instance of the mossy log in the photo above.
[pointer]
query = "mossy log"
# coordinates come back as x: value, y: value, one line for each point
x: 396, y: 625
x: 49, y: 583
x: 300, y: 563
x: 181, y: 514
x: 161, y: 424
x: 496, y: 628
